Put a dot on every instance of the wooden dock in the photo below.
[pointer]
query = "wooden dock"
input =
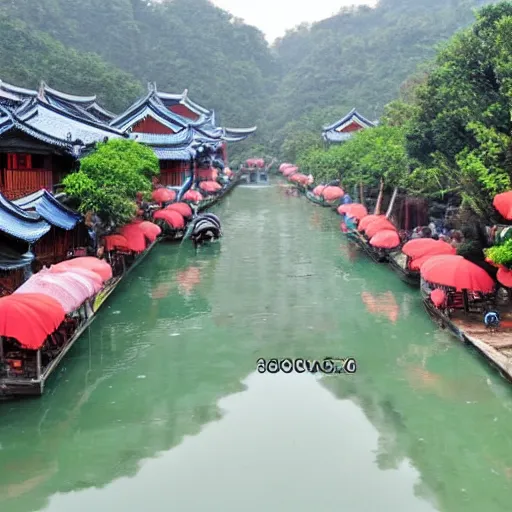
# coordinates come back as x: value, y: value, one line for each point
x: 495, y: 347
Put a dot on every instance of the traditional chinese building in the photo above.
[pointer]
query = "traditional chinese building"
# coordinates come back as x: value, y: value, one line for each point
x: 172, y: 125
x: 344, y: 128
x: 43, y: 135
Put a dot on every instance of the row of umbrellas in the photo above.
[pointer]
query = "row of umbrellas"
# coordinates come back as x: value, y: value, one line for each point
x: 134, y: 236
x: 435, y: 259
x: 328, y: 193
x: 38, y: 307
x: 165, y: 195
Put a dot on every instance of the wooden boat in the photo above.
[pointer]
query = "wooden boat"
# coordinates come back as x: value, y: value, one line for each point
x: 320, y: 201
x: 469, y: 328
x: 35, y: 368
x: 211, y: 200
x: 397, y: 260
x: 379, y: 256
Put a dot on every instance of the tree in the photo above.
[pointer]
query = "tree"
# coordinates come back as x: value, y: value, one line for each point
x: 110, y: 178
x: 461, y: 134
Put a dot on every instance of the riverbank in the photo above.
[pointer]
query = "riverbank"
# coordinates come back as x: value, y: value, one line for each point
x: 494, y: 347
x: 24, y: 372
x: 165, y: 378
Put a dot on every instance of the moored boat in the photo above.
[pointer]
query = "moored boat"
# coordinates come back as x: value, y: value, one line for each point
x: 399, y: 263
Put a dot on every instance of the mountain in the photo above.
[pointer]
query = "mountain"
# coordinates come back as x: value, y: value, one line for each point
x: 309, y: 78
x: 359, y: 58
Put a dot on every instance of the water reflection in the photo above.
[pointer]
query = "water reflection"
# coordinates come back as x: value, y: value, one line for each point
x: 168, y: 369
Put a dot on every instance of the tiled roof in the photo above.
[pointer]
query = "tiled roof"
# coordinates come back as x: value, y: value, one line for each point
x: 164, y: 153
x: 27, y: 226
x: 54, y: 212
x: 60, y: 124
x: 352, y: 116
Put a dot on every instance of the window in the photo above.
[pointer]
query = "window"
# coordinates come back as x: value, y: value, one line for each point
x: 38, y: 162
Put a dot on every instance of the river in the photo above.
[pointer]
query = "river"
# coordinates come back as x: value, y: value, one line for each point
x: 159, y: 405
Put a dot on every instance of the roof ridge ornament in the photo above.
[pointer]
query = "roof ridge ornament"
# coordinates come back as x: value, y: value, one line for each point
x: 41, y: 91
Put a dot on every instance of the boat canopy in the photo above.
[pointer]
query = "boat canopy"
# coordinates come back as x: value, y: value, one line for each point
x: 50, y: 209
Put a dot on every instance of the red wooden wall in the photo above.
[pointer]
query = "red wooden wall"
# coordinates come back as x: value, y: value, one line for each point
x: 184, y: 111
x: 18, y: 177
x: 150, y: 125
x: 352, y: 127
x: 173, y: 173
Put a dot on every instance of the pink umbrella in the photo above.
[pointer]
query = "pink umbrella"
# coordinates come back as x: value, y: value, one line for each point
x: 162, y: 195
x: 70, y: 290
x: 289, y: 171
x: 101, y: 267
x: 283, y: 166
x: 385, y: 239
x: 210, y: 186
x: 173, y: 219
x: 194, y: 196
x: 151, y: 231
x: 89, y: 274
x: 317, y: 191
x: 332, y: 193
x: 134, y: 234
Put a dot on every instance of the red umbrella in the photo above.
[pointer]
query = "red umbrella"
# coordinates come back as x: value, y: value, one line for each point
x: 174, y: 219
x: 503, y: 203
x: 151, y: 231
x: 182, y: 208
x: 101, y: 267
x: 162, y: 195
x: 504, y: 276
x: 456, y: 272
x: 385, y: 239
x: 438, y: 297
x: 332, y: 193
x: 378, y: 225
x: 299, y: 178
x: 210, y: 186
x: 354, y: 210
x: 422, y: 246
x: 367, y: 220
x: 418, y: 262
x: 113, y: 242
x: 135, y: 237
x: 194, y: 196
x: 290, y: 170
x: 317, y: 191
x: 30, y: 318
x: 282, y: 167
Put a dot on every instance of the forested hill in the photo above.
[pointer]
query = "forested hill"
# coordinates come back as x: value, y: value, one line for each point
x: 314, y: 74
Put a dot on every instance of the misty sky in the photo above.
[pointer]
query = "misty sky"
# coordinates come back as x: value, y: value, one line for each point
x: 274, y: 17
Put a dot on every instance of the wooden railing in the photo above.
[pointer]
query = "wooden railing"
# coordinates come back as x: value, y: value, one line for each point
x: 19, y: 183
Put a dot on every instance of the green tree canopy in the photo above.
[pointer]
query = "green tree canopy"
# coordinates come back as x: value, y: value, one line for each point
x: 110, y: 178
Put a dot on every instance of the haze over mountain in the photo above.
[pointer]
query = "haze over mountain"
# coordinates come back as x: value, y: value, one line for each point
x: 275, y: 17
x: 357, y: 58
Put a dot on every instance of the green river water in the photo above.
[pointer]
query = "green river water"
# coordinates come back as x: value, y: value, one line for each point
x: 159, y: 405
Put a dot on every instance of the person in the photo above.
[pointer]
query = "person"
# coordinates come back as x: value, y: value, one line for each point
x: 426, y: 233
x: 435, y: 236
x: 416, y: 233
x: 492, y: 320
x: 350, y: 222
x: 456, y: 239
